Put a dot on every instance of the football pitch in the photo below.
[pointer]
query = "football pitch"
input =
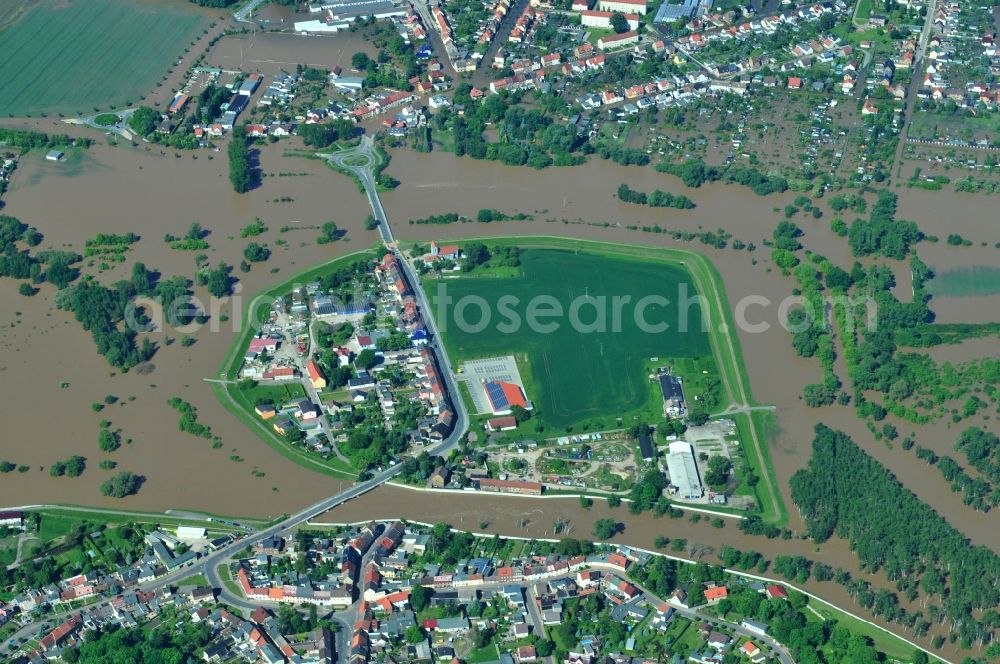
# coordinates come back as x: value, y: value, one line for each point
x: 582, y: 372
x: 72, y: 57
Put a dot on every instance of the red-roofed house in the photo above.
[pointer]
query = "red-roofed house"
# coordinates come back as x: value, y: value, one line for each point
x: 618, y: 41
x: 752, y: 652
x: 279, y: 373
x: 315, y: 375
x: 503, y: 396
x: 628, y: 590
x: 61, y: 633
x: 716, y: 595
x: 618, y: 560
x: 775, y: 592
x: 506, y: 423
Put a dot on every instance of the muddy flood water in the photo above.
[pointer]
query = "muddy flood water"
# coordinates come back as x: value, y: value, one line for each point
x: 50, y: 373
x: 126, y: 189
x: 117, y: 190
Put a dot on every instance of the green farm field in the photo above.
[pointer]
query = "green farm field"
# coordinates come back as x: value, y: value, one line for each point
x: 967, y: 281
x: 80, y: 55
x: 577, y: 377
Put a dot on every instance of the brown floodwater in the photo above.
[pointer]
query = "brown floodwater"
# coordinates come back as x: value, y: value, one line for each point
x: 439, y: 183
x: 273, y: 52
x: 526, y: 517
x: 126, y: 189
x: 117, y: 190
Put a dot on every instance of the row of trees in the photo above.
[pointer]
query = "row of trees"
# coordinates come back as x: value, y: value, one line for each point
x: 657, y: 198
x: 240, y: 168
x: 847, y: 492
x: 694, y: 173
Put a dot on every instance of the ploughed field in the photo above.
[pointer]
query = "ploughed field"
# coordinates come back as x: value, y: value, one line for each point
x: 577, y: 372
x: 74, y: 56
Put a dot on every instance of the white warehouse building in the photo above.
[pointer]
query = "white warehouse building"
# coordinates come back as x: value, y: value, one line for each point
x: 683, y: 470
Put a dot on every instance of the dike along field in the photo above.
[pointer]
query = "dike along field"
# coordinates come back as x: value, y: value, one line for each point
x: 577, y: 375
x: 74, y: 56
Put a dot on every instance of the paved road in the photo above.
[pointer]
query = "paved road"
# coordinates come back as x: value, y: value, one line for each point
x: 783, y: 655
x: 349, y: 160
x: 917, y: 81
x: 435, y: 38
x: 208, y: 565
x: 242, y: 14
x: 484, y: 72
x: 121, y: 128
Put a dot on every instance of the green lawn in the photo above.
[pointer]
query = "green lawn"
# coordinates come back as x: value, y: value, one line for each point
x: 886, y: 642
x: 71, y: 57
x: 277, y: 395
x: 193, y: 580
x: 966, y: 281
x: 8, y: 550
x: 864, y: 10
x: 580, y: 373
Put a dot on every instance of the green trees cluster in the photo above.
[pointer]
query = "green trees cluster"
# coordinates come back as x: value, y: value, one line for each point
x: 189, y: 418
x: 210, y: 102
x: 71, y: 467
x: 882, y: 234
x: 527, y: 136
x: 256, y: 253
x: 123, y: 484
x: 240, y: 169
x: 253, y: 229
x: 657, y: 198
x: 144, y: 120
x: 100, y: 310
x: 605, y: 529
x: 193, y: 240
x: 847, y: 492
x: 328, y: 233
x: 478, y: 254
x: 322, y: 135
x: 982, y: 449
x: 694, y: 173
x: 218, y: 281
x: 107, y: 439
x: 717, y: 473
x: 742, y: 559
x: 30, y: 140
x: 161, y: 645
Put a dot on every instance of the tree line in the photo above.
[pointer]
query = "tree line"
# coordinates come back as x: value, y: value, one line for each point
x: 694, y: 172
x: 846, y: 492
x: 240, y: 168
x: 657, y: 198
